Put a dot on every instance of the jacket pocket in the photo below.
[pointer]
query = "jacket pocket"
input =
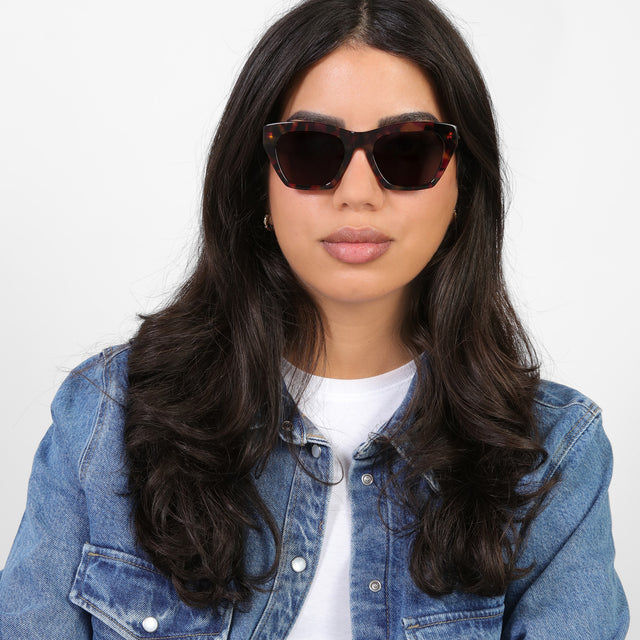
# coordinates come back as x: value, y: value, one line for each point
x: 131, y: 597
x: 480, y: 624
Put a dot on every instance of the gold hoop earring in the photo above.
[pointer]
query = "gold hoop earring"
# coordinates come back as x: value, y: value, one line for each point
x: 268, y: 224
x: 455, y: 214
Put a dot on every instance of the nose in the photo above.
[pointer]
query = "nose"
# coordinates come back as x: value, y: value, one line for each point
x: 358, y: 189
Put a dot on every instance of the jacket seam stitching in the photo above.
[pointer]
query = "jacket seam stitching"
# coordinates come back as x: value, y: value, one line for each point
x: 386, y: 569
x: 435, y: 624
x: 133, y: 564
x: 85, y: 458
x: 570, y: 439
x: 106, y: 615
x: 589, y: 406
x: 269, y: 610
x: 113, y: 352
x: 120, y: 626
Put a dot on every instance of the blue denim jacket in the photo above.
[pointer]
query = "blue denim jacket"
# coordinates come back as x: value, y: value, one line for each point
x: 76, y: 572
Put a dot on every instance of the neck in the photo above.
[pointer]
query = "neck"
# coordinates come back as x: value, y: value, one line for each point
x: 361, y: 340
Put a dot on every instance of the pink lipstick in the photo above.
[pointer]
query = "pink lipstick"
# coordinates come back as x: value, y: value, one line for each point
x: 356, y: 245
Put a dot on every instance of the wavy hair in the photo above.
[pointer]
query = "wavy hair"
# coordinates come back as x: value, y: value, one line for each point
x: 204, y: 369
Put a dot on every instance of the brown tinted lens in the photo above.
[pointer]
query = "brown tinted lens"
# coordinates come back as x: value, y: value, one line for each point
x: 409, y: 158
x: 309, y: 158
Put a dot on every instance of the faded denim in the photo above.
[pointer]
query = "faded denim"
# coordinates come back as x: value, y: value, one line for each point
x: 75, y: 571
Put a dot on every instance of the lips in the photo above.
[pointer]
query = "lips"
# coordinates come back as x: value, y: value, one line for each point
x: 356, y: 245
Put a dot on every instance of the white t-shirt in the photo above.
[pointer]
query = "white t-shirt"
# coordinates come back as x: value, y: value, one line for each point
x: 345, y: 412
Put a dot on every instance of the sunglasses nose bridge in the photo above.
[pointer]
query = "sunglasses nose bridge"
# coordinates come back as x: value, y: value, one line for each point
x: 360, y: 140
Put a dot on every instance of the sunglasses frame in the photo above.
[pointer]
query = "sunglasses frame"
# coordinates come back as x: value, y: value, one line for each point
x: 364, y: 140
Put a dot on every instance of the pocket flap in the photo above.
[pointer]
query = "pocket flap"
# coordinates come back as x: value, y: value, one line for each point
x: 134, y: 599
x: 480, y: 624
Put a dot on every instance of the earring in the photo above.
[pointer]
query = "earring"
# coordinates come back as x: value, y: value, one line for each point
x: 268, y: 225
x: 455, y: 215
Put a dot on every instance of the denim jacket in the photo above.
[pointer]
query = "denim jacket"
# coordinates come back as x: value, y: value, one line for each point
x: 75, y: 571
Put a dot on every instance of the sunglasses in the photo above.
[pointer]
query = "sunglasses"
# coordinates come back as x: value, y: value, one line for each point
x: 404, y: 156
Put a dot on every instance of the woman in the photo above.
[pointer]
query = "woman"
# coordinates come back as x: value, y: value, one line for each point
x: 337, y: 428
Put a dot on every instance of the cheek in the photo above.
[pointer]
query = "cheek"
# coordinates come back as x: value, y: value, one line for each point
x: 447, y: 187
x: 431, y: 215
x: 273, y: 190
x: 433, y: 211
x: 292, y: 217
x: 422, y: 239
x: 282, y: 205
x: 283, y: 201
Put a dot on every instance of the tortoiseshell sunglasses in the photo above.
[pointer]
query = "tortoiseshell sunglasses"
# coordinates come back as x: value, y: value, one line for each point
x: 404, y: 156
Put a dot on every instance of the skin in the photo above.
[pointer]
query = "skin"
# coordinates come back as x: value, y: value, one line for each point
x: 362, y: 305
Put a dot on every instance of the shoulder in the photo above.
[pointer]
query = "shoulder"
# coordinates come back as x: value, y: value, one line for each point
x: 103, y: 373
x: 569, y: 546
x: 101, y: 377
x: 569, y: 425
x: 93, y: 395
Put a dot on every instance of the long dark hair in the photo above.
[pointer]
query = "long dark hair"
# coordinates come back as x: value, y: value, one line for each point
x: 206, y: 368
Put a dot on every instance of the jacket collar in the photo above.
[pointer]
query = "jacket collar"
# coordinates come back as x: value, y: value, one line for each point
x: 298, y: 430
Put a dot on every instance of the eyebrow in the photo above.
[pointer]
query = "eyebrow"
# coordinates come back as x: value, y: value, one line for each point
x: 312, y: 116
x: 412, y: 116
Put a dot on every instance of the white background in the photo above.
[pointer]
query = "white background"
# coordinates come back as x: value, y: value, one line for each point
x: 106, y: 112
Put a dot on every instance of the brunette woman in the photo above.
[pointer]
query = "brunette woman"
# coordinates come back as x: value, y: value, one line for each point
x: 337, y: 428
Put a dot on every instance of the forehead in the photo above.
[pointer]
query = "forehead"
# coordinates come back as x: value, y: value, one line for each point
x: 361, y: 85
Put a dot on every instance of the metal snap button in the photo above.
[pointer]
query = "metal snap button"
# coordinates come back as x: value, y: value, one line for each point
x: 150, y: 624
x: 298, y: 564
x: 316, y: 451
x: 375, y: 586
x: 367, y: 479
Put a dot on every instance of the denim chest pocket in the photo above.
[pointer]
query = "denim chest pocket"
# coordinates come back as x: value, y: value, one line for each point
x: 131, y: 599
x: 478, y: 624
